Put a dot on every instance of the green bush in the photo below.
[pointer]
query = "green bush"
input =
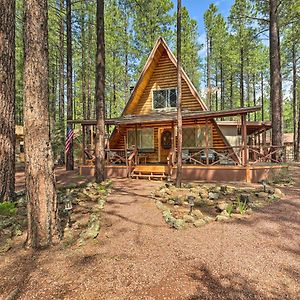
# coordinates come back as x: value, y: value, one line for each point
x: 7, y: 209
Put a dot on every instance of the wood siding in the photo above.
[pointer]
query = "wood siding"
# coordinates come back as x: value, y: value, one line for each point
x: 163, y: 76
x: 117, y: 141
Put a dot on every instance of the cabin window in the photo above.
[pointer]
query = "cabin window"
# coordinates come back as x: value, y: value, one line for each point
x: 194, y: 137
x: 164, y: 98
x: 145, y: 138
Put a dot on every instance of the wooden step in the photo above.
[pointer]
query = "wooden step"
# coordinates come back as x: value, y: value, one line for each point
x: 151, y: 168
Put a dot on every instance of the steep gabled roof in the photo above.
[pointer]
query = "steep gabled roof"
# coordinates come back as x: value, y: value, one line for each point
x: 158, y: 49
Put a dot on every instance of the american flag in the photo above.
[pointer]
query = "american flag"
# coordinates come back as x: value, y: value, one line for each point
x: 70, y: 134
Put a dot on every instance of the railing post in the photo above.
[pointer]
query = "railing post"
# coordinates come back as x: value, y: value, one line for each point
x: 244, y: 140
x: 206, y: 141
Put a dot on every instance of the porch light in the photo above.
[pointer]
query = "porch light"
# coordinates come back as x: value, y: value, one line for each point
x: 191, y: 201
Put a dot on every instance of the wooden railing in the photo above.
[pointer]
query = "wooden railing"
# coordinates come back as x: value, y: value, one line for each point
x: 235, y: 155
x: 271, y: 154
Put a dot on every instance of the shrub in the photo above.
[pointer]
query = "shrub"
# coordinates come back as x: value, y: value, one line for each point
x: 7, y: 209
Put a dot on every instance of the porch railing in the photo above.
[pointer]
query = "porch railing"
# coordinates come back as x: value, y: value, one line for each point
x: 229, y: 155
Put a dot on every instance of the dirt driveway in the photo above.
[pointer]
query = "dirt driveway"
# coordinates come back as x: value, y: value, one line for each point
x: 137, y: 256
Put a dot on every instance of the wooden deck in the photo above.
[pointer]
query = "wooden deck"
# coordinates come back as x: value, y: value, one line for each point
x: 252, y: 173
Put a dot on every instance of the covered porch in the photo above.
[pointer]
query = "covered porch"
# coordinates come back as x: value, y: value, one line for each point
x: 147, y: 148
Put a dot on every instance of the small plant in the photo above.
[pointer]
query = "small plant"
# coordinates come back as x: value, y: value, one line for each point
x: 241, y: 206
x: 7, y: 209
x: 229, y: 209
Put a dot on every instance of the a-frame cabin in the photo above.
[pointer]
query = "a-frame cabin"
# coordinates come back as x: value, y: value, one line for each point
x: 144, y: 137
x: 154, y: 97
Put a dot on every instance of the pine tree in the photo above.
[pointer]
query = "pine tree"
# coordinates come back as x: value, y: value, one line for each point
x: 40, y: 181
x: 7, y: 100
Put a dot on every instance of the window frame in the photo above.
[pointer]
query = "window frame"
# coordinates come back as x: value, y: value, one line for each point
x: 197, y: 146
x: 139, y: 141
x: 167, y: 107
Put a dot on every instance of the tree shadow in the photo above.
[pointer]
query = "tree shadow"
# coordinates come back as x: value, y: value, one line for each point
x: 231, y: 286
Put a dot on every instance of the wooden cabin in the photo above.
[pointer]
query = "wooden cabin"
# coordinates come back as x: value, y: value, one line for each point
x: 144, y: 137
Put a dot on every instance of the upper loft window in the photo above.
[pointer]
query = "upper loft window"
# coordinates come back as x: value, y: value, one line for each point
x: 166, y: 98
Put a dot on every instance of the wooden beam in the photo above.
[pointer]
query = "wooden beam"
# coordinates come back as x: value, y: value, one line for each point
x: 244, y: 139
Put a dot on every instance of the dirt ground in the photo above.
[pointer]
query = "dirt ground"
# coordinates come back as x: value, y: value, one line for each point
x: 137, y: 256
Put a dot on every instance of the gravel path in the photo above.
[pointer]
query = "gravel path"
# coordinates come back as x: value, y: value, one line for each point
x: 137, y: 256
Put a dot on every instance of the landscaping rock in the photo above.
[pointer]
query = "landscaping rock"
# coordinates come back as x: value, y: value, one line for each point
x: 161, y: 206
x: 208, y: 219
x: 93, y: 228
x: 221, y: 218
x: 171, y: 202
x: 262, y: 195
x: 197, y: 214
x: 199, y: 223
x: 222, y: 206
x: 203, y: 193
x: 188, y: 219
x: 213, y: 196
x: 278, y: 193
x: 179, y: 224
x: 179, y: 200
x: 6, y: 246
x: 245, y: 198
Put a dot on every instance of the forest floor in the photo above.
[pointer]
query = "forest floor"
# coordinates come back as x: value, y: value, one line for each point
x: 138, y: 256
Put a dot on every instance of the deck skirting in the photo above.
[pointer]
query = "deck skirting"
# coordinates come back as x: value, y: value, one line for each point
x: 202, y: 173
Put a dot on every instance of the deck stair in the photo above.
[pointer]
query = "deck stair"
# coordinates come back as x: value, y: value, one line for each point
x: 149, y: 172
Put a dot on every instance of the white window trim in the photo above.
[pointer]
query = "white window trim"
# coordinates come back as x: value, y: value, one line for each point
x: 165, y: 108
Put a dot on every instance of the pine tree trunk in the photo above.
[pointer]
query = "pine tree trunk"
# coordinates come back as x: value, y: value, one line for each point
x: 40, y: 181
x: 99, y: 95
x: 179, y: 95
x: 294, y: 102
x: 83, y: 60
x: 7, y: 100
x: 62, y: 82
x: 275, y: 76
x: 254, y: 95
x: 216, y: 84
x: 262, y: 98
x: 208, y: 67
x: 69, y: 156
x: 242, y: 102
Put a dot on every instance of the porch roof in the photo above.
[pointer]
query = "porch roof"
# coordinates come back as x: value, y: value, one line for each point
x: 163, y: 116
x: 252, y: 126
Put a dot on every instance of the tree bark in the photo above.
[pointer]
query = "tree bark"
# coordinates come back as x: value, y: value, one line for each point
x: 7, y: 100
x: 242, y: 102
x: 62, y: 82
x: 208, y: 67
x: 294, y: 62
x: 39, y: 168
x: 254, y: 95
x: 99, y: 95
x: 275, y: 75
x: 69, y: 156
x: 179, y: 94
x: 262, y: 98
x: 83, y: 60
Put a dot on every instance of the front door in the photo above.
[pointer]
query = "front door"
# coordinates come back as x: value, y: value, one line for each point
x: 164, y: 143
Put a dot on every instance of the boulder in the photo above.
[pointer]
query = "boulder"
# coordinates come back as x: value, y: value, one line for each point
x: 278, y: 193
x: 262, y: 195
x: 199, y: 223
x: 222, y: 205
x: 222, y: 218
x: 208, y: 219
x: 161, y: 206
x: 213, y: 196
x: 188, y: 219
x: 197, y: 214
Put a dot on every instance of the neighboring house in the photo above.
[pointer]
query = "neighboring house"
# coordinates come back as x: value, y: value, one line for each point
x: 143, y: 140
x: 288, y: 142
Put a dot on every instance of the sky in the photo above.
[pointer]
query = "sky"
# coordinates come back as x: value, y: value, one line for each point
x: 197, y: 8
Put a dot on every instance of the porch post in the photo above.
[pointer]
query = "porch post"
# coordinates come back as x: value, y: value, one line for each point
x: 136, y: 136
x: 244, y: 140
x: 83, y: 143
x: 92, y: 137
x: 264, y: 141
x: 206, y: 141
